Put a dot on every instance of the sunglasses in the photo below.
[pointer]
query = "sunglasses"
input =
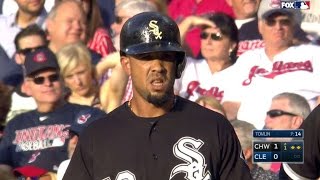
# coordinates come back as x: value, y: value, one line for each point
x: 276, y: 112
x: 282, y: 22
x: 40, y: 79
x: 213, y: 36
x: 28, y: 50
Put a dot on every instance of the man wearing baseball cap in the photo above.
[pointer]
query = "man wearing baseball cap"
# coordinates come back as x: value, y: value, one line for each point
x: 47, y: 127
x: 263, y: 73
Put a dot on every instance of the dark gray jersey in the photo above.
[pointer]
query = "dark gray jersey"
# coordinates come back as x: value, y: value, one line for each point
x: 189, y: 142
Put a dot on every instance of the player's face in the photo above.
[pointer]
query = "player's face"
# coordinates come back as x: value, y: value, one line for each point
x: 68, y: 26
x: 244, y: 8
x: 153, y: 76
x: 215, y: 45
x: 48, y: 90
x: 33, y: 7
x: 281, y: 121
x: 277, y: 30
x: 79, y: 80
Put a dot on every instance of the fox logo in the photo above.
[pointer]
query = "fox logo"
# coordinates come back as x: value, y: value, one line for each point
x: 187, y: 149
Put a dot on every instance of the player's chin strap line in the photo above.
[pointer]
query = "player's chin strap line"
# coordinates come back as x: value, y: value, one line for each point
x: 293, y: 175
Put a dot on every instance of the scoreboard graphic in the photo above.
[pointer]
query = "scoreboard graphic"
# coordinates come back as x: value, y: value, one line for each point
x: 285, y: 146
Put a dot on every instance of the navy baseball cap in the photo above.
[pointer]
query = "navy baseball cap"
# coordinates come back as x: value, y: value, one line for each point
x: 40, y: 59
x: 40, y: 163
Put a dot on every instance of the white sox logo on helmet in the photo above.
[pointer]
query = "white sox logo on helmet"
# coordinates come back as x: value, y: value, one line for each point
x: 155, y: 29
x: 187, y: 149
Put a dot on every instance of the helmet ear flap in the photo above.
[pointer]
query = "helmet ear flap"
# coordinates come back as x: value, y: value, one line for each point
x: 180, y: 67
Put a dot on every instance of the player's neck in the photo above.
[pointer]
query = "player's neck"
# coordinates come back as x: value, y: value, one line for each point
x: 49, y: 107
x: 142, y: 108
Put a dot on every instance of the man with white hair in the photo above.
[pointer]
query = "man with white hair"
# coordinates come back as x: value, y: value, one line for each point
x: 262, y: 73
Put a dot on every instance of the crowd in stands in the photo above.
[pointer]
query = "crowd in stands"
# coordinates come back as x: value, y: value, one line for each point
x: 251, y: 61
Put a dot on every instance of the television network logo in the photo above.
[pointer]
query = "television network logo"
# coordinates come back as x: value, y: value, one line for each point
x: 304, y: 5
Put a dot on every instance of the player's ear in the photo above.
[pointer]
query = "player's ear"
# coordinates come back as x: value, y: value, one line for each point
x: 125, y: 63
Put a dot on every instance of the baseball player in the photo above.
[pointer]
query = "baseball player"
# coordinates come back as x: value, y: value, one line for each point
x: 46, y: 127
x: 157, y: 135
x: 310, y: 169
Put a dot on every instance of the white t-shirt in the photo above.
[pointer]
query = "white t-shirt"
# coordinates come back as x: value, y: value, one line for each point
x: 258, y: 79
x: 197, y: 80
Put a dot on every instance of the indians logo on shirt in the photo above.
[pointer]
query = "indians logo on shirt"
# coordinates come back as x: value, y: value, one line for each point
x: 187, y: 149
x: 34, y: 157
x: 194, y: 91
x: 83, y: 118
x: 279, y: 68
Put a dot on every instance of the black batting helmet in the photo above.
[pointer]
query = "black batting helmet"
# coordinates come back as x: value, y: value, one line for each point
x: 152, y: 32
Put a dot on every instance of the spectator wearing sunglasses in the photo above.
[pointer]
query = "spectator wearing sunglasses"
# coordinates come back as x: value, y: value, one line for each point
x: 26, y: 41
x: 48, y: 125
x: 287, y: 111
x: 281, y: 66
x: 247, y: 23
x: 209, y: 76
x: 28, y: 13
x: 179, y: 10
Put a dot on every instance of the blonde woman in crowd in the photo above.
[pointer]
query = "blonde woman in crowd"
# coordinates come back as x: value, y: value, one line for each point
x: 79, y: 75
